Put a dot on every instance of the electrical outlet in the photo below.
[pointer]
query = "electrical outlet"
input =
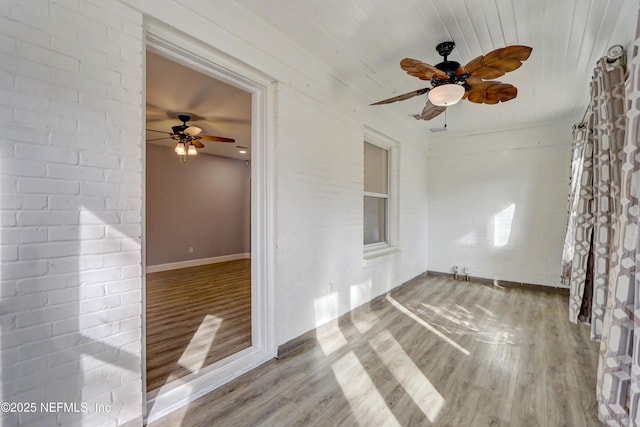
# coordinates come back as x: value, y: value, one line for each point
x: 190, y: 249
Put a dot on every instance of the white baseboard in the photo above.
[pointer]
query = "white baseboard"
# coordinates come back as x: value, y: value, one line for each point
x: 195, y: 262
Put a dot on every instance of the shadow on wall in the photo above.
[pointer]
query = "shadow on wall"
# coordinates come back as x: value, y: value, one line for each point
x: 70, y: 307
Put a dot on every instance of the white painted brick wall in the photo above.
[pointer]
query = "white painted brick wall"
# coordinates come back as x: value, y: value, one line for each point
x: 473, y: 179
x: 71, y: 82
x: 71, y: 95
x: 320, y: 216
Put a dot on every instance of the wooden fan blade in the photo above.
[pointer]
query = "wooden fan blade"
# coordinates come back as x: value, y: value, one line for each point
x: 216, y: 138
x: 474, y: 64
x: 421, y: 70
x: 472, y: 81
x: 157, y: 139
x: 478, y: 91
x: 159, y: 131
x: 498, y: 62
x: 521, y: 53
x: 198, y: 144
x: 404, y: 96
x: 492, y: 92
x: 460, y: 71
x: 430, y: 111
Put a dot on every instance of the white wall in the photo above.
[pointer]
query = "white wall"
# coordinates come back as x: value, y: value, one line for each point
x: 321, y: 271
x: 320, y: 126
x: 200, y: 204
x: 71, y: 108
x: 498, y: 203
x: 71, y: 83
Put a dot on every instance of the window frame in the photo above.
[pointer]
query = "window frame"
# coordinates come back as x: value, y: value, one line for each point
x: 384, y: 142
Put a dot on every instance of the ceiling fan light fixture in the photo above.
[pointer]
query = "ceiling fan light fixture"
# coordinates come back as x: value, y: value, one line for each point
x: 180, y: 150
x: 192, y: 150
x: 445, y: 95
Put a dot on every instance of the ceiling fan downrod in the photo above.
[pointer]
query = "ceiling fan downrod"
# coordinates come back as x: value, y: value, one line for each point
x: 449, y: 67
x: 445, y: 49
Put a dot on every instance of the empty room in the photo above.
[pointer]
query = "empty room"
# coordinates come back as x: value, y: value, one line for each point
x: 198, y: 203
x: 319, y: 213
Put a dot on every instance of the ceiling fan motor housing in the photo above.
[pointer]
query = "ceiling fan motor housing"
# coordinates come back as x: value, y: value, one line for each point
x: 445, y: 48
x: 449, y: 67
x: 179, y: 128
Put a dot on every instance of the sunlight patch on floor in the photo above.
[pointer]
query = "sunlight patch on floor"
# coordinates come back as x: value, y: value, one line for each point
x: 457, y: 315
x: 195, y: 354
x: 367, y: 405
x: 487, y: 312
x: 410, y: 377
x: 420, y: 321
x: 364, y: 320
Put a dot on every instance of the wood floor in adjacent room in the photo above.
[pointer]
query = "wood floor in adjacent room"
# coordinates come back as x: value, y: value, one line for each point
x: 196, y: 316
x: 436, y: 352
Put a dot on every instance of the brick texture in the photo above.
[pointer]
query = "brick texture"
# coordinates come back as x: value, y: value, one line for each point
x: 71, y: 84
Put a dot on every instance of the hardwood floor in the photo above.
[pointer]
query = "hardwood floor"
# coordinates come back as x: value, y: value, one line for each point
x: 437, y: 352
x: 196, y: 316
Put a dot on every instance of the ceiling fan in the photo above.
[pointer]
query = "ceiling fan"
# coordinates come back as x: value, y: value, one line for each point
x: 451, y: 82
x: 188, y: 137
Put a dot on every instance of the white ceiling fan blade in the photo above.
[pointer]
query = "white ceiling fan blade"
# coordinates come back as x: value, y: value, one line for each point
x: 193, y: 130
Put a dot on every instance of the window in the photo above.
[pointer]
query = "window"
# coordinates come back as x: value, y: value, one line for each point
x: 376, y: 196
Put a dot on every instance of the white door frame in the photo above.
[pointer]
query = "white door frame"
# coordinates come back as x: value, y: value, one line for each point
x: 180, y: 48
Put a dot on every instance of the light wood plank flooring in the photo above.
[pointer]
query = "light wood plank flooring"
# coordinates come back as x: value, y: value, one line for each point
x: 196, y: 316
x: 437, y: 352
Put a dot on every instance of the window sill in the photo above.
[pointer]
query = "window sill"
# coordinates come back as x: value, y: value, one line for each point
x: 378, y: 253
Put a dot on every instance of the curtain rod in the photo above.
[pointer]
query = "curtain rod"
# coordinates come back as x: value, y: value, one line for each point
x: 614, y: 53
x: 584, y: 116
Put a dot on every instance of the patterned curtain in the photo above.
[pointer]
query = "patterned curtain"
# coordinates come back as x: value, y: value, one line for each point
x: 578, y: 241
x: 618, y: 390
x: 593, y: 212
x: 609, y: 121
x: 577, y: 160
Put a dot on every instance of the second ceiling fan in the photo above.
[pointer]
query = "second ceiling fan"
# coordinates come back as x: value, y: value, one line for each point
x: 188, y: 138
x: 451, y: 82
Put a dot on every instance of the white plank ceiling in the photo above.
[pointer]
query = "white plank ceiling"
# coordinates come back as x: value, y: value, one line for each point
x: 362, y: 41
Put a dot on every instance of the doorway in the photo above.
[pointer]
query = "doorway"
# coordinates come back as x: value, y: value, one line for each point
x: 198, y: 220
x: 210, y: 356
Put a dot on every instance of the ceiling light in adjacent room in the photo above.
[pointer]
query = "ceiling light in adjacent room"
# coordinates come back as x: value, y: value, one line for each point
x: 180, y: 150
x: 242, y: 151
x: 447, y: 94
